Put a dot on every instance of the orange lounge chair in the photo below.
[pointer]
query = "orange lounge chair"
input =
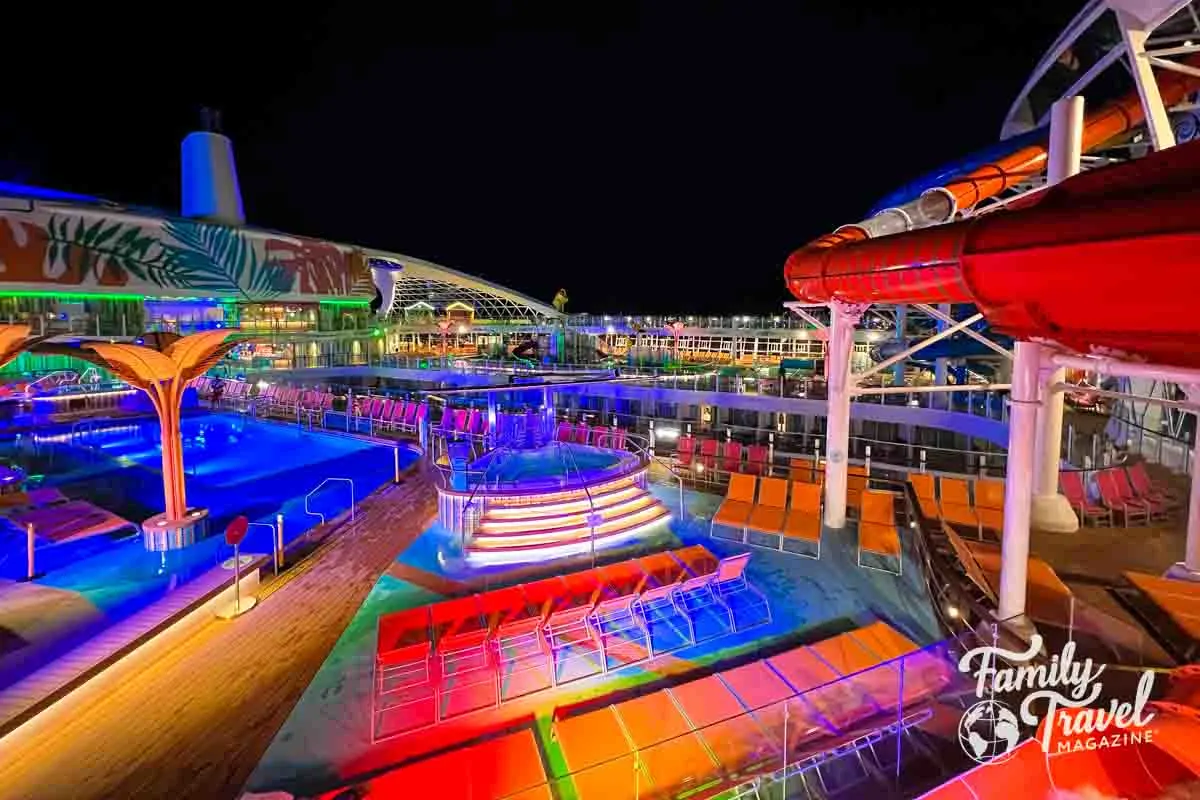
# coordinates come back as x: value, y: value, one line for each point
x: 857, y: 481
x: 803, y: 523
x: 877, y: 529
x: 767, y: 516
x: 802, y: 470
x: 739, y: 501
x: 957, y: 508
x: 925, y: 488
x: 989, y: 503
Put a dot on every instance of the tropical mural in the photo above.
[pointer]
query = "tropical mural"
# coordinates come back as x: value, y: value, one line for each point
x: 96, y: 248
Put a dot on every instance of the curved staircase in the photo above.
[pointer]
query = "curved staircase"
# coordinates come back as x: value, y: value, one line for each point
x: 512, y: 525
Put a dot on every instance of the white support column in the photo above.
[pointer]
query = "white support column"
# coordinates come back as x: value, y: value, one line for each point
x: 1135, y: 33
x: 1018, y: 484
x: 840, y: 347
x: 1189, y: 568
x: 1051, y: 511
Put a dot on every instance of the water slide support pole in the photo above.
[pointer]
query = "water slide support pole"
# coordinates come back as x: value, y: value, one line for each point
x: 1018, y: 482
x: 1051, y: 511
x: 839, y: 349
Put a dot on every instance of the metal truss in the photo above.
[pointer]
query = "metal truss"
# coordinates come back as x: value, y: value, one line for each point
x: 426, y: 288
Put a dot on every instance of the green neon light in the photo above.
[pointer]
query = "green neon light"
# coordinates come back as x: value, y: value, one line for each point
x: 345, y: 302
x: 84, y: 295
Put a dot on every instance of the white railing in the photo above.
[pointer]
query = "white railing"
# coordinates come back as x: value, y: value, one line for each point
x: 318, y: 488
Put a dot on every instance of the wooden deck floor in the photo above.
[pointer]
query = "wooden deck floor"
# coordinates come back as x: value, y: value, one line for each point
x: 196, y: 722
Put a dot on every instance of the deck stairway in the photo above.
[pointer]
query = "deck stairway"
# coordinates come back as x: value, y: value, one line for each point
x: 513, y: 523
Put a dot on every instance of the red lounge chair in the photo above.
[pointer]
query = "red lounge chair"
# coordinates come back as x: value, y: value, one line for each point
x: 1145, y: 489
x: 581, y: 433
x: 616, y: 441
x: 402, y: 648
x: 564, y: 432
x: 1110, y: 496
x: 1156, y: 507
x: 1074, y: 490
x: 708, y: 453
x: 731, y: 457
x: 600, y: 436
x: 756, y: 460
x: 685, y: 451
x: 460, y: 634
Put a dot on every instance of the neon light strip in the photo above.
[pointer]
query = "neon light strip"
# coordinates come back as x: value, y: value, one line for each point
x: 68, y: 295
x: 501, y: 557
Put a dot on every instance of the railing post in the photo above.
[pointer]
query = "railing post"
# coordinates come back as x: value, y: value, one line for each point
x: 278, y: 543
x: 29, y: 565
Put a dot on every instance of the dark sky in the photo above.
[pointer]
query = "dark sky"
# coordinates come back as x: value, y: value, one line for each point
x: 654, y: 156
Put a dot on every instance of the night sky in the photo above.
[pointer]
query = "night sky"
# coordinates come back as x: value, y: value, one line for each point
x: 655, y: 156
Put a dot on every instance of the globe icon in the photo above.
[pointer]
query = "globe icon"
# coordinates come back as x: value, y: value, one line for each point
x: 988, y: 731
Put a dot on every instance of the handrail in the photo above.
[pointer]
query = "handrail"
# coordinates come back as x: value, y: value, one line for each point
x: 499, y: 451
x: 318, y: 487
x: 652, y: 457
x: 586, y: 491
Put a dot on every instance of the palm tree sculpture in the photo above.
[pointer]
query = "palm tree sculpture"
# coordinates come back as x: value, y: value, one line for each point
x: 14, y: 340
x: 163, y: 375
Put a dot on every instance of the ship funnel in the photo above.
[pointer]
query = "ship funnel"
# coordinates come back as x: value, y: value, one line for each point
x: 210, y: 183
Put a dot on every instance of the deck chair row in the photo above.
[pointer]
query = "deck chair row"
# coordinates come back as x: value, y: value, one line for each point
x: 975, y: 505
x: 759, y: 511
x: 724, y: 729
x: 726, y: 456
x: 597, y: 436
x: 534, y: 636
x: 1125, y: 492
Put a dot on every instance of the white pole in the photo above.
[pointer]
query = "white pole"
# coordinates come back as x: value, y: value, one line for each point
x: 840, y: 348
x: 29, y: 566
x: 1051, y: 511
x: 237, y: 582
x: 1189, y: 568
x: 396, y: 464
x: 1018, y: 485
x: 278, y: 543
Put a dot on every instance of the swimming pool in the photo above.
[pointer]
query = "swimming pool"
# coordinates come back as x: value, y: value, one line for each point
x: 234, y: 465
x: 554, y: 466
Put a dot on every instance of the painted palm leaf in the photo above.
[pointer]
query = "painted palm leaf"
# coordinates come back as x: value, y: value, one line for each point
x: 221, y: 259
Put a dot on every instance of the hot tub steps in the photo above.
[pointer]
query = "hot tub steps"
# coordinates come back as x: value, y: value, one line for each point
x: 619, y: 512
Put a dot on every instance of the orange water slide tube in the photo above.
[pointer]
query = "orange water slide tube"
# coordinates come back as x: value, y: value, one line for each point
x: 1060, y: 265
x: 1066, y: 265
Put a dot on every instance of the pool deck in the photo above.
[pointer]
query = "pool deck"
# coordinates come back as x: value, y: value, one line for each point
x: 194, y: 721
x: 27, y: 697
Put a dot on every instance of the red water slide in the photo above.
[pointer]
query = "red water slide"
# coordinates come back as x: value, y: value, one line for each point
x: 1107, y: 259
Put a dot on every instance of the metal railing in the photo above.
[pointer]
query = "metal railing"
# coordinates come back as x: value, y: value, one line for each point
x: 318, y: 488
x: 641, y: 446
x: 587, y: 492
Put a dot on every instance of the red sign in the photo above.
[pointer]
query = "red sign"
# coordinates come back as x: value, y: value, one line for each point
x: 236, y: 531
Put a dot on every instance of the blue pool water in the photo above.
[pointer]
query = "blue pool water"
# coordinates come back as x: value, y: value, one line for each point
x: 234, y: 466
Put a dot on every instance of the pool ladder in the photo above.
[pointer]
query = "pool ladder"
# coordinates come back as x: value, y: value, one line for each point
x: 318, y: 488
